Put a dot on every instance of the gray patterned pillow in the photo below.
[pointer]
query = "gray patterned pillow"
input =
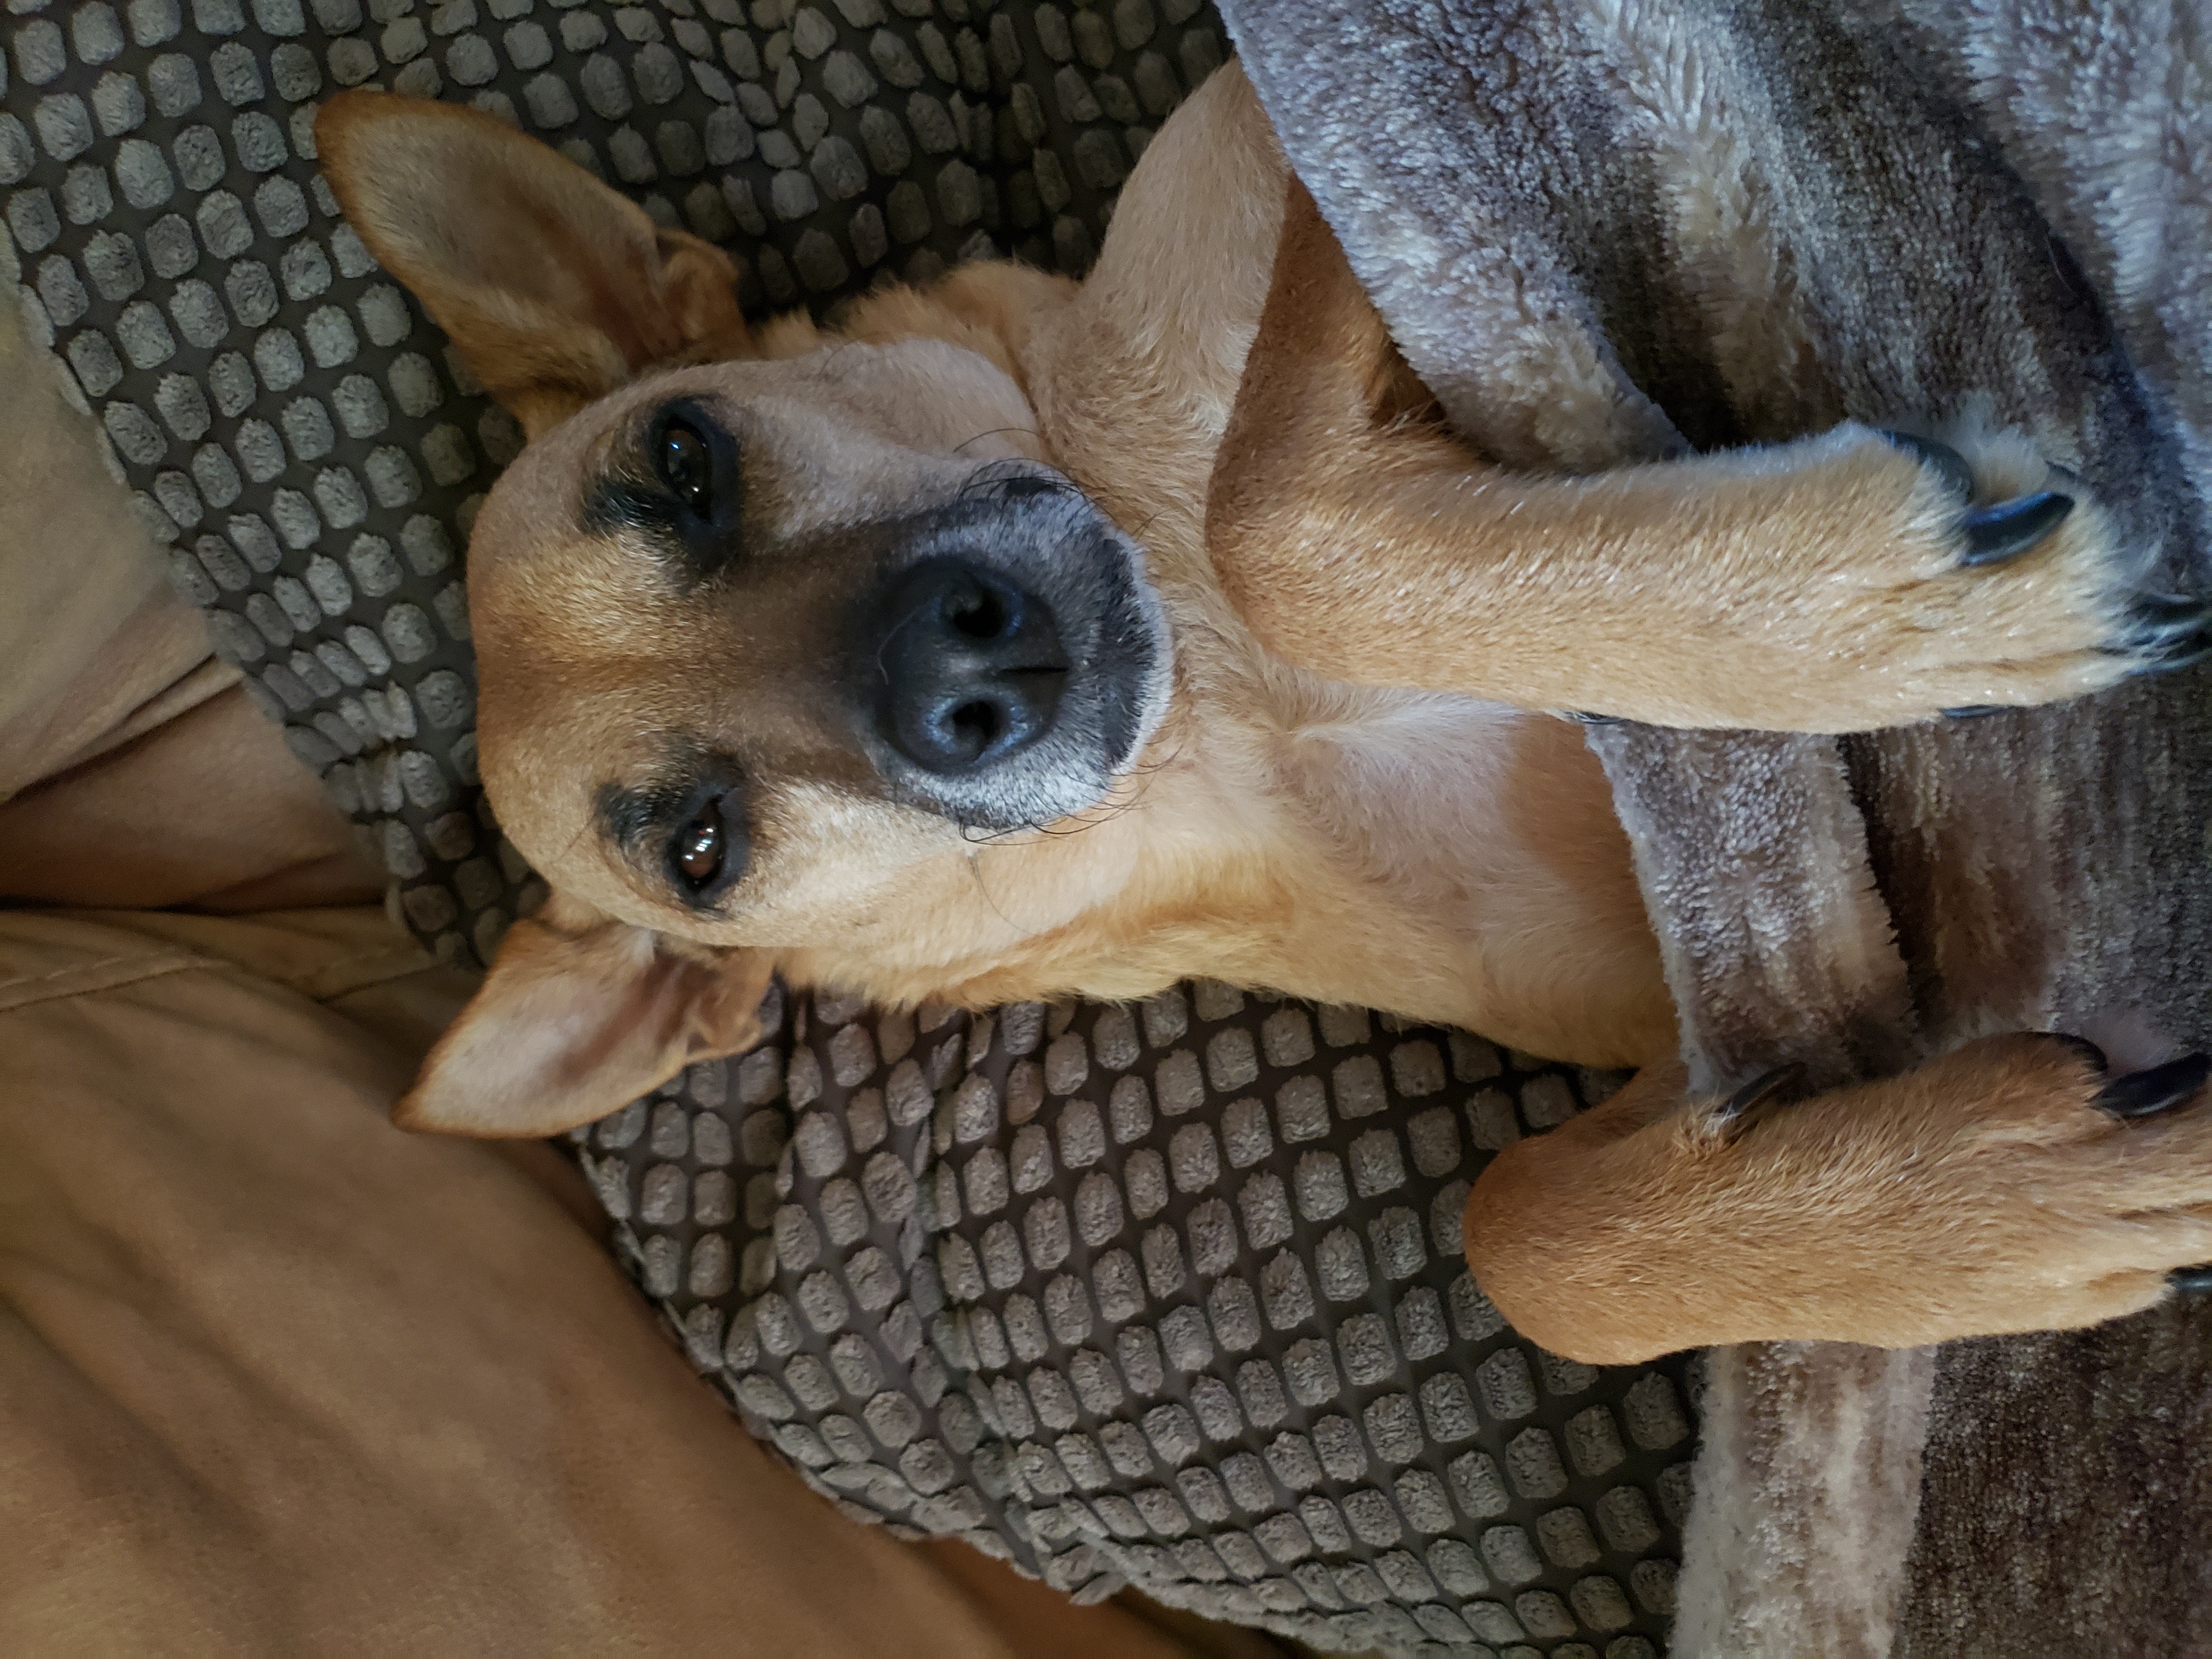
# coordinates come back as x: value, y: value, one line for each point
x: 1169, y: 1296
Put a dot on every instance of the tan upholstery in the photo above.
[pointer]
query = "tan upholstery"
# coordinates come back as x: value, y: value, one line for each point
x: 277, y: 1378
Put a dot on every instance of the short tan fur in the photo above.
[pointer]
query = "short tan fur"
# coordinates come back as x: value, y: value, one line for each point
x: 1346, y: 788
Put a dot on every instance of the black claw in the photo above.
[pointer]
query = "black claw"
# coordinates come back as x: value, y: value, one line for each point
x: 2010, y: 528
x: 2178, y: 612
x: 2081, y: 1046
x: 2173, y: 661
x: 1974, y: 711
x: 2162, y: 1088
x: 2169, y: 626
x: 2191, y: 1281
x: 1939, y: 458
x: 1757, y: 1098
x: 2172, y: 630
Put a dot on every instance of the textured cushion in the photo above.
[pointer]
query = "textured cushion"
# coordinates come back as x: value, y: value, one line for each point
x: 1169, y: 1295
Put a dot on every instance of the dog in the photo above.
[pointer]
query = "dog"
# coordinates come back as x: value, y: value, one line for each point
x: 1018, y: 639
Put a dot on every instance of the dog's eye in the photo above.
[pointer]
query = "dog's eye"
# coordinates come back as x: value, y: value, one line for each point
x: 686, y: 467
x: 699, y: 850
x: 709, y: 854
x: 681, y: 489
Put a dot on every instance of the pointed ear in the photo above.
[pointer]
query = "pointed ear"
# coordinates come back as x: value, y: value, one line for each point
x: 555, y: 289
x: 579, y: 1017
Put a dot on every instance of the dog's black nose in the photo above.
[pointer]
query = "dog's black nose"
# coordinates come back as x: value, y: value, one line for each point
x: 972, y: 666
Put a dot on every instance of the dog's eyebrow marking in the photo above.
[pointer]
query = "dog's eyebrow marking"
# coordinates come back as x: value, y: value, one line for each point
x: 639, y: 821
x: 621, y: 502
x: 630, y: 499
x: 628, y: 817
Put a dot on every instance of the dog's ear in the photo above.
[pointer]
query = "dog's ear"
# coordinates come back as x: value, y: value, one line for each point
x: 579, y: 1016
x: 555, y: 289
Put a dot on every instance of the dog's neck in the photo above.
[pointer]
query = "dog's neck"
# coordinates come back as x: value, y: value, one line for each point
x: 1280, y: 831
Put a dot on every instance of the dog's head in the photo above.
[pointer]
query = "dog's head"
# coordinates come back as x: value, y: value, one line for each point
x: 758, y: 629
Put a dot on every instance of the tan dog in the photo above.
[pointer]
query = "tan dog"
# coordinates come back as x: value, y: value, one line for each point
x: 836, y: 655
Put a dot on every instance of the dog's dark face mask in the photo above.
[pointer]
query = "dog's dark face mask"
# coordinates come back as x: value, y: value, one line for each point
x: 756, y: 637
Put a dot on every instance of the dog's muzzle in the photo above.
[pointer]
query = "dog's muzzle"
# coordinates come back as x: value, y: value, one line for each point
x: 973, y: 669
x: 1014, y: 659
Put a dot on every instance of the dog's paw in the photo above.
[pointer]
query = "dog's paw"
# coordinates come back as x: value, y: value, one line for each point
x: 2017, y: 505
x: 2012, y: 1185
x: 1991, y: 580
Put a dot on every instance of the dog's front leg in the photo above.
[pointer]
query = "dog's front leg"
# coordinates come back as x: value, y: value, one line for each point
x: 2011, y: 1185
x: 1842, y: 582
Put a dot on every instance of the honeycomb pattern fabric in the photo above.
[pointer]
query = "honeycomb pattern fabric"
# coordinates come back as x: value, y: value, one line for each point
x: 1168, y: 1295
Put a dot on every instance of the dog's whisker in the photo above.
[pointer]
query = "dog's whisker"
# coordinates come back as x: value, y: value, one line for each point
x: 993, y: 432
x: 1008, y: 470
x: 984, y: 890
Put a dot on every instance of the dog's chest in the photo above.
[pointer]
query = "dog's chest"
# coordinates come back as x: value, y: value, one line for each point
x: 1478, y: 872
x: 1412, y: 789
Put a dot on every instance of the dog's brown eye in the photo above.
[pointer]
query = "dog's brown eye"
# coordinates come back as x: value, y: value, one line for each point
x: 683, y: 493
x: 686, y: 467
x: 697, y: 854
x: 708, y: 854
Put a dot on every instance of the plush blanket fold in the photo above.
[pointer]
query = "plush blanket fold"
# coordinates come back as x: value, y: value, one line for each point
x: 1896, y: 170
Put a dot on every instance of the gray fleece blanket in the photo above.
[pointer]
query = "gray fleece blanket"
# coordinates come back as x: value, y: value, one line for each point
x: 1995, y: 210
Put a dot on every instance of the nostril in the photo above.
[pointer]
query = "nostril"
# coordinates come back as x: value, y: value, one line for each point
x: 973, y: 727
x: 969, y: 669
x: 976, y: 612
